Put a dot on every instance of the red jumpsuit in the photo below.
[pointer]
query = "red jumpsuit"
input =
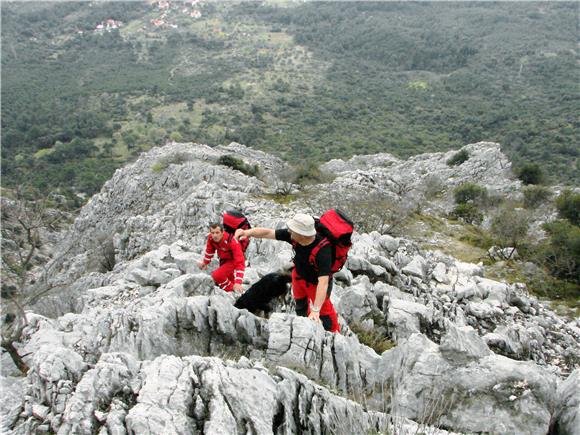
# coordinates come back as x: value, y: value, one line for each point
x: 305, y: 278
x: 232, y: 261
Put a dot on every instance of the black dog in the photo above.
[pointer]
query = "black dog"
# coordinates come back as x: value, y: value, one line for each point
x: 261, y: 293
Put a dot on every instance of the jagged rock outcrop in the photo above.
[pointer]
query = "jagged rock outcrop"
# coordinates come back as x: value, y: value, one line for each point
x: 170, y: 193
x: 185, y: 316
x: 82, y: 362
x: 153, y: 346
x: 393, y: 177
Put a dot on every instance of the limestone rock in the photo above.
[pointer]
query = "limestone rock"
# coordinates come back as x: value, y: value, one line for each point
x: 482, y: 310
x: 355, y: 303
x: 404, y: 317
x: 114, y: 374
x: 12, y: 401
x: 567, y: 416
x: 390, y: 244
x: 424, y: 380
x: 360, y: 265
x: 415, y: 268
x: 151, y: 345
x: 439, y: 273
x: 463, y: 344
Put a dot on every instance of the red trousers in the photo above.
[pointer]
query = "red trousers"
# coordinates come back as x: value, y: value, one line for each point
x: 224, y: 276
x: 304, y: 291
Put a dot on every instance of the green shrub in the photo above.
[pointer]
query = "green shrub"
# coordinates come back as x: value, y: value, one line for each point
x: 568, y: 205
x: 556, y: 289
x: 458, y: 158
x: 176, y: 136
x: 238, y: 165
x: 308, y: 173
x: 476, y: 237
x: 159, y: 166
x: 370, y: 212
x: 535, y: 195
x: 173, y: 159
x: 493, y: 200
x: 372, y: 338
x: 561, y: 254
x: 531, y: 174
x: 468, y: 213
x: 231, y: 162
x: 470, y: 193
x: 538, y: 279
x: 510, y: 227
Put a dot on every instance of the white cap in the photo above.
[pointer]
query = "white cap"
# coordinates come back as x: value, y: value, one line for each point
x: 302, y: 224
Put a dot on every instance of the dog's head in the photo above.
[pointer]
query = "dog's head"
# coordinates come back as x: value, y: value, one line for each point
x: 285, y: 272
x: 285, y: 277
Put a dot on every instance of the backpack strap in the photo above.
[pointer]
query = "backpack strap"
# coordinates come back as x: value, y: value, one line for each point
x: 315, y: 251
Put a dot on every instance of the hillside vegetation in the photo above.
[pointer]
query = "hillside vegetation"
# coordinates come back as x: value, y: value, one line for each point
x: 321, y: 80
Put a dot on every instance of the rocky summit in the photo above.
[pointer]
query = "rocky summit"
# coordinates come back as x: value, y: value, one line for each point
x: 134, y: 339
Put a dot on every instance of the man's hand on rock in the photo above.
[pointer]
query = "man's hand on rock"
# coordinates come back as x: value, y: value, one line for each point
x: 314, y: 316
x: 201, y: 265
x: 238, y: 288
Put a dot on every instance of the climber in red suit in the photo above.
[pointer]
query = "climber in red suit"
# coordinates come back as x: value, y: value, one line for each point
x: 230, y: 274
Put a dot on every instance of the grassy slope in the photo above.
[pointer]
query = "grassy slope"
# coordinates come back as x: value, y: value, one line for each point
x: 324, y: 80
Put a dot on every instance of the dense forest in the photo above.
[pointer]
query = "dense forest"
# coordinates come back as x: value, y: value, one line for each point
x: 88, y: 86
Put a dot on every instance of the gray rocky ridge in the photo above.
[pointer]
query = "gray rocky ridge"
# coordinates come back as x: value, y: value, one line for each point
x: 393, y: 177
x: 152, y: 346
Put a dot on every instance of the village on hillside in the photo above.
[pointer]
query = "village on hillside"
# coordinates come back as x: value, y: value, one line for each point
x: 189, y: 8
x: 108, y: 25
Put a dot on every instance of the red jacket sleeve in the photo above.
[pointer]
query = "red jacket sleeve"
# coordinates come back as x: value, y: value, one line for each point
x: 239, y: 261
x: 209, y: 251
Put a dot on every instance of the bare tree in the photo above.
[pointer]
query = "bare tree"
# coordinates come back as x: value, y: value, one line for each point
x: 400, y: 186
x: 432, y: 186
x: 373, y: 212
x: 105, y: 251
x: 23, y: 222
x: 510, y: 228
x: 284, y: 183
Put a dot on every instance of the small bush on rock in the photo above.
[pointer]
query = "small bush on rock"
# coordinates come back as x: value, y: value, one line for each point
x: 568, y: 205
x: 531, y: 174
x: 510, y: 227
x: 309, y: 173
x: 468, y: 213
x: 173, y: 159
x: 562, y: 253
x: 432, y: 186
x: 372, y: 338
x: 534, y: 196
x: 470, y: 192
x: 546, y: 286
x: 238, y: 165
x: 458, y: 158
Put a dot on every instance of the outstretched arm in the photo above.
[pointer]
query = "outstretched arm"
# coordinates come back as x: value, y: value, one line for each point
x: 258, y: 233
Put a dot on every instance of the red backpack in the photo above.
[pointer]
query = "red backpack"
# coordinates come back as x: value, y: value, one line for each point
x: 233, y: 220
x: 336, y: 230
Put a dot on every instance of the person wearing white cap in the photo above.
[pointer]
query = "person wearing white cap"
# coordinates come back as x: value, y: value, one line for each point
x: 311, y: 277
